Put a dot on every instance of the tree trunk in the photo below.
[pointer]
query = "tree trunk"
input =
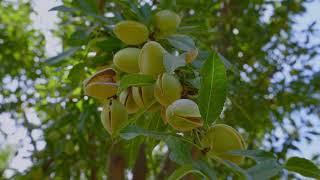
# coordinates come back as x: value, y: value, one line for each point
x: 140, y: 168
x: 167, y: 168
x: 116, y: 164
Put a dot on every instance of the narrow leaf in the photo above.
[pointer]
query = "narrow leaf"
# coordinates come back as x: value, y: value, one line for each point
x: 182, y: 42
x: 264, y: 170
x: 204, y: 167
x: 130, y: 132
x: 237, y: 170
x: 228, y: 64
x: 171, y: 62
x: 179, y: 150
x: 61, y: 56
x: 303, y: 166
x: 213, y: 91
x: 257, y: 155
x: 184, y: 170
x: 135, y: 80
x: 63, y: 9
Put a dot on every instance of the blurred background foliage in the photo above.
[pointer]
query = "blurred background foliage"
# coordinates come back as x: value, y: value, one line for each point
x: 273, y: 83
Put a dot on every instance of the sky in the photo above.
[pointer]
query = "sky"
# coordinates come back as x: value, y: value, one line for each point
x: 47, y: 21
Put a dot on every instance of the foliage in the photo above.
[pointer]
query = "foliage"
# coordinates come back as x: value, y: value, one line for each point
x: 256, y: 101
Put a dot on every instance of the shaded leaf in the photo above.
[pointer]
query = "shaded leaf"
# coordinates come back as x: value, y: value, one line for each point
x: 205, y: 169
x: 303, y: 166
x: 87, y: 6
x: 168, y: 4
x: 257, y: 155
x: 182, y: 42
x: 135, y: 80
x: 62, y: 56
x: 213, y: 91
x: 264, y: 170
x: 109, y: 44
x: 179, y: 150
x: 146, y: 13
x: 184, y: 170
x: 63, y: 9
x: 77, y: 73
x: 131, y: 132
x: 171, y: 62
x: 228, y: 64
x: 237, y: 170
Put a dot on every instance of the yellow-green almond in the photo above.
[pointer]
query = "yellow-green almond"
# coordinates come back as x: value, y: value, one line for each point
x: 167, y: 89
x: 184, y: 115
x: 126, y: 98
x: 221, y: 139
x: 114, y: 116
x: 151, y: 59
x: 144, y: 97
x: 101, y: 85
x: 167, y: 22
x: 131, y: 32
x: 126, y: 60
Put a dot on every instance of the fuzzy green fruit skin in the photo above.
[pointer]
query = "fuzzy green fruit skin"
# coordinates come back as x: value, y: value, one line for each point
x: 101, y: 85
x: 184, y: 115
x: 222, y: 138
x: 151, y: 59
x: 126, y: 60
x: 126, y: 98
x: 167, y: 89
x: 131, y: 32
x: 143, y: 97
x: 114, y: 116
x: 167, y: 22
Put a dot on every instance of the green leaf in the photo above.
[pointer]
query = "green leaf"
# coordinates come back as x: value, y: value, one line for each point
x: 266, y: 167
x: 228, y: 64
x: 303, y: 166
x: 135, y: 80
x: 167, y: 4
x: 237, y: 170
x: 179, y: 151
x: 63, y: 9
x: 77, y: 73
x: 204, y: 167
x: 257, y: 155
x: 264, y: 170
x: 87, y: 6
x: 146, y: 13
x: 213, y: 91
x: 171, y: 62
x: 62, y: 56
x: 131, y: 132
x: 184, y: 170
x: 108, y: 45
x: 181, y: 42
x: 79, y: 37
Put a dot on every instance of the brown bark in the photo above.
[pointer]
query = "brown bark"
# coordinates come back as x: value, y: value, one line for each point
x: 140, y: 168
x: 101, y: 4
x: 92, y: 155
x: 167, y: 168
x: 116, y: 164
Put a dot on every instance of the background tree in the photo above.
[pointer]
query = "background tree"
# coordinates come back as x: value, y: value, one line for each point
x: 270, y: 75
